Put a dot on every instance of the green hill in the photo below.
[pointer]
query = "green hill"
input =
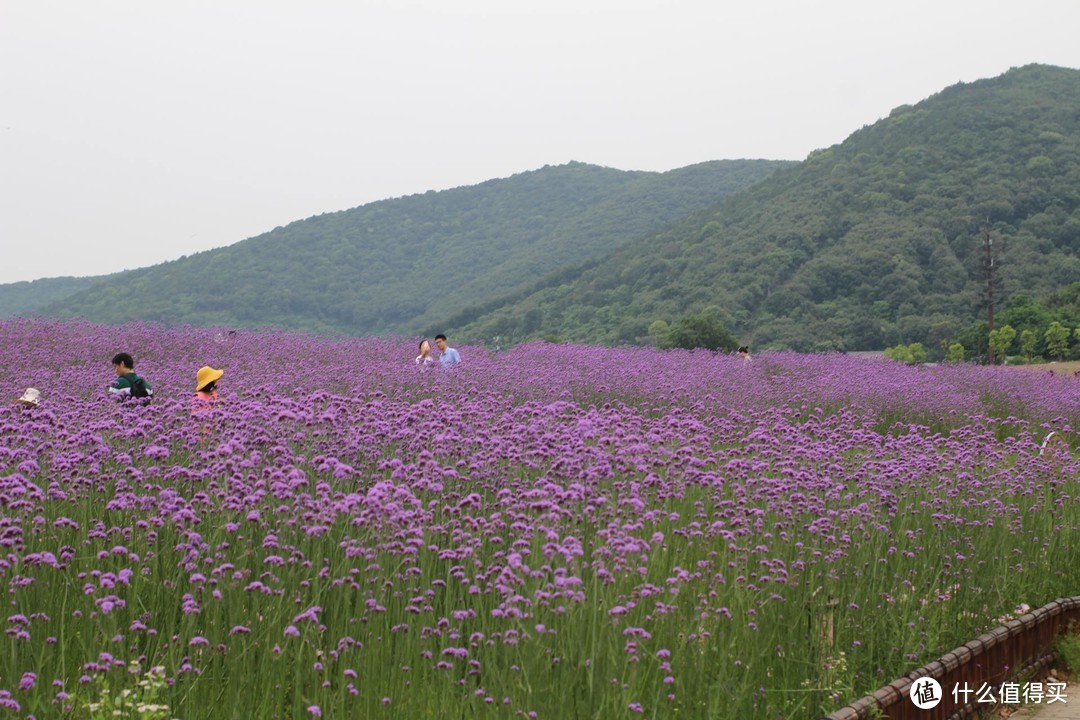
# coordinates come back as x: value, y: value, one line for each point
x: 28, y: 298
x: 876, y: 241
x: 395, y: 266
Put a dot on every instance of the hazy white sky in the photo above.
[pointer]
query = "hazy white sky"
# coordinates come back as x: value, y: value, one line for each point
x: 133, y: 132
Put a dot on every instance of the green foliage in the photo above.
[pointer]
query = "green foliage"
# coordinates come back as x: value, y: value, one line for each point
x: 912, y: 354
x: 1001, y: 339
x: 658, y: 331
x: 873, y: 242
x: 1068, y: 646
x: 699, y: 331
x: 140, y: 696
x: 955, y: 353
x: 1057, y: 340
x: 27, y: 298
x: 1025, y: 313
x: 1029, y: 340
x: 1033, y: 318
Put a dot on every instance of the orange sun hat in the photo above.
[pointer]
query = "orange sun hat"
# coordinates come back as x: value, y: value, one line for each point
x: 205, y: 376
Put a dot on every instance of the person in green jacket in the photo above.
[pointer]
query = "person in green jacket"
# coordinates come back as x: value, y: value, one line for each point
x: 127, y: 383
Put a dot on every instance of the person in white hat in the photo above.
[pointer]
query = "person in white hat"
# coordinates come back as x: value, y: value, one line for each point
x: 30, y: 398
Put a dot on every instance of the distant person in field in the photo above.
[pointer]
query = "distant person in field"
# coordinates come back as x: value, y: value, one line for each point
x: 744, y: 353
x: 127, y: 383
x: 30, y: 398
x: 448, y: 356
x: 206, y: 389
x: 425, y: 357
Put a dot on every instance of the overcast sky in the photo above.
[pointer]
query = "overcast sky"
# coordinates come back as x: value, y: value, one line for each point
x: 133, y: 132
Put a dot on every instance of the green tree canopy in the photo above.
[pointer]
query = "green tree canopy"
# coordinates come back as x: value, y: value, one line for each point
x: 700, y: 331
x: 1001, y: 339
x: 1029, y: 340
x: 874, y: 242
x: 1057, y: 340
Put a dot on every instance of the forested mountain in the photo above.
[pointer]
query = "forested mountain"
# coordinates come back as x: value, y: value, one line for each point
x: 25, y: 298
x: 398, y: 265
x: 879, y: 240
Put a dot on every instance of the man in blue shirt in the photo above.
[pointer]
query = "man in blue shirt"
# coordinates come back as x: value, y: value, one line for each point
x: 448, y: 356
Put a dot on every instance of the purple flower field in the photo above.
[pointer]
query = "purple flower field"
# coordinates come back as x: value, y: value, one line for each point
x: 554, y: 531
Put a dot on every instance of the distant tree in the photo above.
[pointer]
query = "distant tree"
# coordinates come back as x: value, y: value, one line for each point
x: 532, y: 320
x: 1025, y: 313
x: 917, y: 353
x: 897, y: 352
x: 973, y: 338
x: 1028, y: 341
x: 912, y: 354
x: 1057, y: 340
x: 1001, y: 340
x: 658, y: 331
x: 700, y: 331
x: 955, y: 353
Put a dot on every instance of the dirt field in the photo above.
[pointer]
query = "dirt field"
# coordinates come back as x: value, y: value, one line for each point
x: 1059, y: 368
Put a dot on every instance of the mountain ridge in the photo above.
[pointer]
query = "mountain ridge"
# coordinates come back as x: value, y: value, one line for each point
x: 394, y: 265
x: 877, y: 240
x: 870, y: 242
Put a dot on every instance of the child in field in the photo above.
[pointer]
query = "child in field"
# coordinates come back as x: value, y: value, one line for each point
x: 206, y: 393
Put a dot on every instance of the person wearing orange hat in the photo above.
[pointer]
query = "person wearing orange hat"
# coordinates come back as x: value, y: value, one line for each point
x: 206, y: 394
